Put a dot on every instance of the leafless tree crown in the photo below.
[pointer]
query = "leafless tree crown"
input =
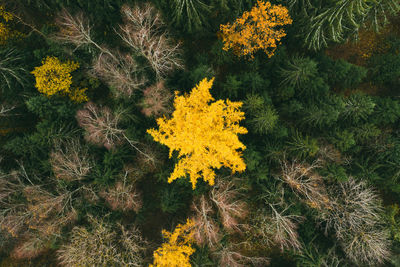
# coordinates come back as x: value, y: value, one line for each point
x: 142, y: 31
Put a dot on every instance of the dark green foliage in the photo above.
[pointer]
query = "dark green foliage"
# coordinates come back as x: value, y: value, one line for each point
x: 51, y: 109
x: 341, y: 74
x: 357, y: 107
x: 343, y: 140
x: 298, y: 72
x: 262, y: 117
x: 386, y: 111
x: 386, y: 69
x: 303, y: 146
x: 173, y: 198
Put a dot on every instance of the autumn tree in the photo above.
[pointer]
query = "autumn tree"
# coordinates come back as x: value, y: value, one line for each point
x: 175, y: 252
x: 257, y: 29
x: 203, y: 133
x: 55, y: 77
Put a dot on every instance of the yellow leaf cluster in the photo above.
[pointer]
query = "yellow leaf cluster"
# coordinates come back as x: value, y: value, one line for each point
x: 55, y: 77
x: 5, y: 31
x: 204, y: 134
x: 256, y: 30
x: 177, y: 251
x: 78, y: 95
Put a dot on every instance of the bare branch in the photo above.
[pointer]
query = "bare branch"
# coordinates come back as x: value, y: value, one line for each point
x: 231, y: 208
x: 206, y: 230
x: 70, y: 161
x: 120, y: 72
x: 142, y: 32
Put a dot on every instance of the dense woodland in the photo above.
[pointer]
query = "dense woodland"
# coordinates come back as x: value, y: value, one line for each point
x: 199, y: 133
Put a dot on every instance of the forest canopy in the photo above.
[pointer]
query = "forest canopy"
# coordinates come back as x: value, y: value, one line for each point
x: 199, y: 133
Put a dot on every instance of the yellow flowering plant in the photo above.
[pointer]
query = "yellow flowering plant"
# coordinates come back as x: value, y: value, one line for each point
x: 204, y: 134
x: 256, y: 29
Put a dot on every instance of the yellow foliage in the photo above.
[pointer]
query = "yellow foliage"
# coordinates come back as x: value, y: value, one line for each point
x: 256, y: 29
x: 204, y: 134
x: 55, y: 77
x: 78, y: 95
x: 5, y: 31
x: 177, y: 251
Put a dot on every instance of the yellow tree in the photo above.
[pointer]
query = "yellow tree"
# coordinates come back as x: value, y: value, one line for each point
x: 55, y: 77
x: 257, y: 29
x: 204, y: 134
x: 175, y: 252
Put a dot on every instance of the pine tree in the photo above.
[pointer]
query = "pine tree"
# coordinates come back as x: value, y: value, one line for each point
x: 298, y: 71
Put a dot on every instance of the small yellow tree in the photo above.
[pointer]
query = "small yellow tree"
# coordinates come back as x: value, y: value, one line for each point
x: 256, y: 29
x: 55, y: 77
x: 177, y: 251
x: 204, y: 134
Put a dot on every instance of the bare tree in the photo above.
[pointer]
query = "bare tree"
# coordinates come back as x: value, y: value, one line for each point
x: 49, y: 212
x: 120, y: 72
x: 101, y: 125
x: 123, y: 195
x: 13, y: 212
x: 230, y: 255
x: 70, y: 161
x: 27, y: 208
x: 206, y: 230
x: 305, y: 182
x: 231, y: 208
x: 370, y: 247
x: 102, y: 246
x: 278, y: 228
x: 354, y: 206
x: 355, y: 216
x: 156, y: 100
x: 142, y: 31
x: 77, y: 30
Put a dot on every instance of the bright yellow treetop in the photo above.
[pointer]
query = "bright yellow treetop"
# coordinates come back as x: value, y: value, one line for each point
x: 204, y: 134
x: 175, y: 252
x: 55, y: 77
x: 256, y: 30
